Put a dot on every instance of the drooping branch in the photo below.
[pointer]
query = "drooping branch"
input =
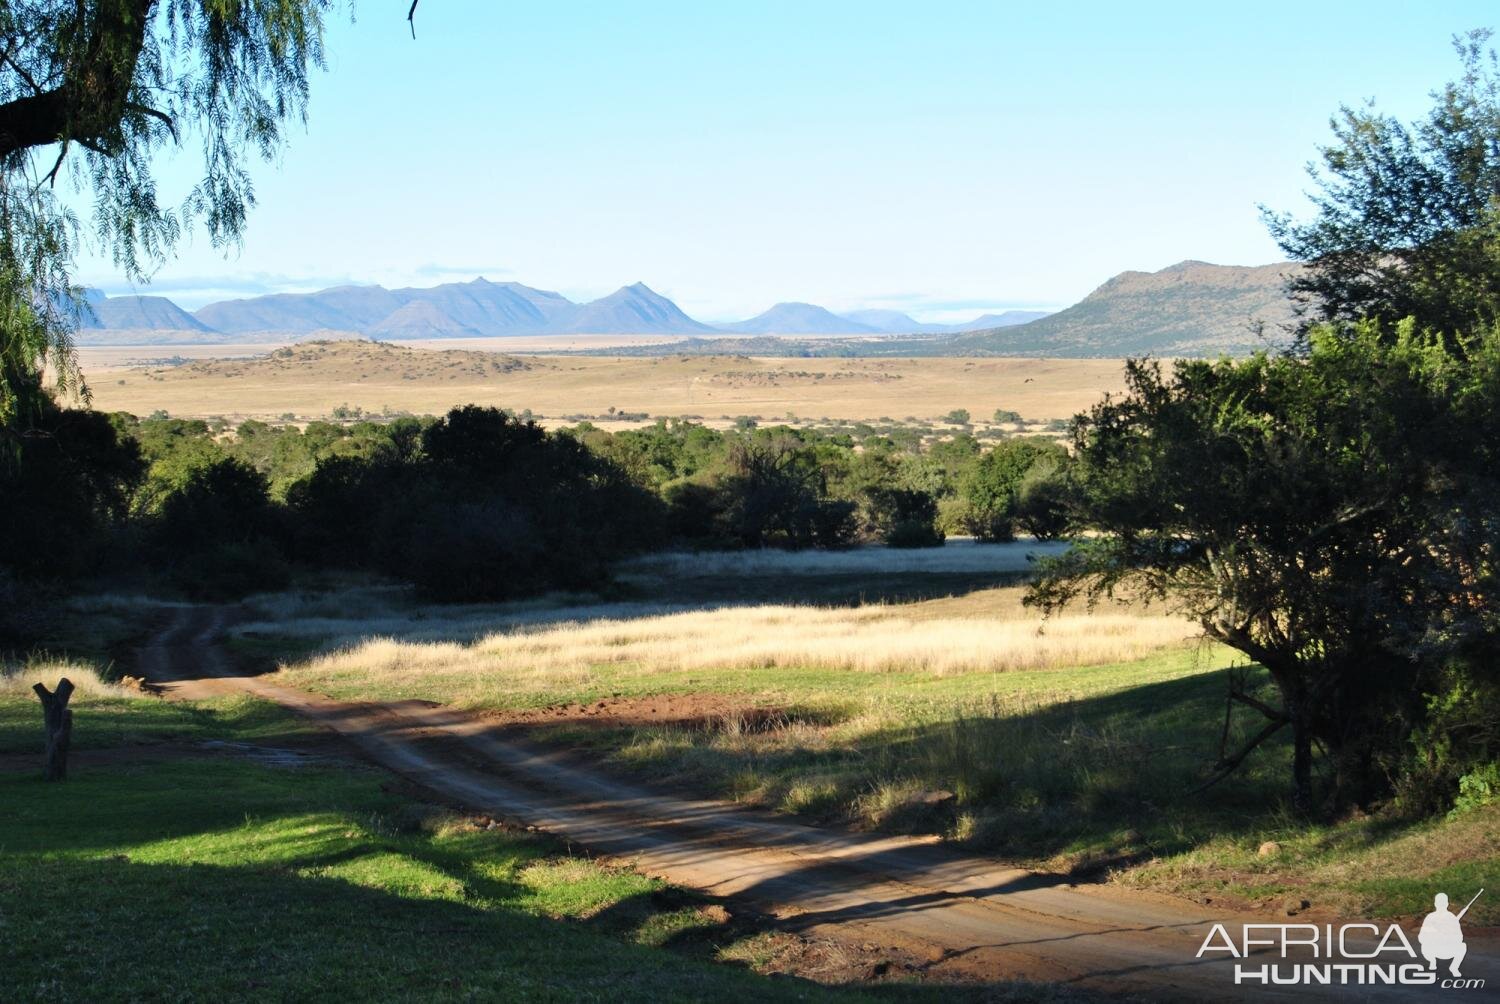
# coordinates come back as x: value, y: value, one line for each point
x: 93, y: 95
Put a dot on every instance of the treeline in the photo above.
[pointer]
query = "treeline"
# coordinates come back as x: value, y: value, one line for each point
x: 481, y: 504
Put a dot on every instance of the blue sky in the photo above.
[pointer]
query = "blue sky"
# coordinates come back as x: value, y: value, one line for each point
x: 943, y: 158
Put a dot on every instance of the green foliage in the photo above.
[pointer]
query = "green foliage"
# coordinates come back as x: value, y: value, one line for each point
x: 1477, y: 789
x: 481, y: 503
x: 486, y: 507
x: 1002, y: 490
x: 906, y: 518
x: 1005, y: 417
x: 1334, y: 517
x: 1406, y: 223
x: 958, y: 416
x: 74, y: 485
x: 89, y: 93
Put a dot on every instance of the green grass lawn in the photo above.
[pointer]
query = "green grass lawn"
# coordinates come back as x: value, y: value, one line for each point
x: 211, y: 877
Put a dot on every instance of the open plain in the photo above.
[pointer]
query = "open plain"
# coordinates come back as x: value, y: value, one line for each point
x: 310, y: 380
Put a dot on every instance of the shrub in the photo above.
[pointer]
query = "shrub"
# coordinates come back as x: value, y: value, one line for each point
x: 834, y: 524
x: 223, y: 500
x: 1477, y: 789
x: 914, y: 533
x: 230, y: 571
x: 995, y: 485
x: 905, y: 517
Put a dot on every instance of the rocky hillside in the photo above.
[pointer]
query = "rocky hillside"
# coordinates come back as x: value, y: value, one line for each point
x: 1188, y: 309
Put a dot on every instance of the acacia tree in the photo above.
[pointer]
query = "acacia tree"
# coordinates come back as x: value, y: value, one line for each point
x: 1335, y: 517
x: 90, y: 91
x: 1407, y: 217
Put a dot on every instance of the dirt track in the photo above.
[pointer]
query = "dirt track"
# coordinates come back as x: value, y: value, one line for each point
x: 969, y: 917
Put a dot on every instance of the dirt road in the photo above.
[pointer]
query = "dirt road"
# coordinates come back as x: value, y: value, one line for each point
x: 966, y: 916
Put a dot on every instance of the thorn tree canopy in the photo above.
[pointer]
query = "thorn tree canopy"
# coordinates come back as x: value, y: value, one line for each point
x: 1407, y: 220
x: 90, y: 90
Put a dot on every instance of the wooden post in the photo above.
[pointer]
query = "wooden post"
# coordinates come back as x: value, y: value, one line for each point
x: 59, y: 721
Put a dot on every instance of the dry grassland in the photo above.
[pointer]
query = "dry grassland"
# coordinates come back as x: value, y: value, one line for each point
x: 987, y: 632
x: 311, y: 379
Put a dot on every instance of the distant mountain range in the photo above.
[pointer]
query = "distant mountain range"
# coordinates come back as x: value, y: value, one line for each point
x: 1191, y: 308
x: 1188, y: 309
x: 466, y: 310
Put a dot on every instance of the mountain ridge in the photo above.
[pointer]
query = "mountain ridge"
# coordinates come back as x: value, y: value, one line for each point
x: 1188, y: 308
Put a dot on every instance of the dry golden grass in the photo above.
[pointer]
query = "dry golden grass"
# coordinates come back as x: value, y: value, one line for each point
x: 16, y: 679
x: 317, y: 377
x: 871, y: 639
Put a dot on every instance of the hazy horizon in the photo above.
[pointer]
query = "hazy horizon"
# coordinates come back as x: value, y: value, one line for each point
x: 942, y: 163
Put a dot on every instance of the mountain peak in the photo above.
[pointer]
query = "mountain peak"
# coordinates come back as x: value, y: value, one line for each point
x: 796, y: 318
x: 1185, y: 265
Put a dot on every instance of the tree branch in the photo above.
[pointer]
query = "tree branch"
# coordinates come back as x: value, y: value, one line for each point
x: 154, y: 113
x: 89, y: 102
x: 1274, y: 714
x: 1229, y: 766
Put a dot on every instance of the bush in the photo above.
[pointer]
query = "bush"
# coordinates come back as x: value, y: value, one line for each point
x: 230, y: 571
x: 490, y: 507
x: 64, y: 486
x: 693, y: 510
x: 1041, y: 500
x: 904, y: 517
x: 834, y: 524
x: 1458, y: 738
x: 995, y: 486
x: 1477, y: 789
x: 914, y: 533
x: 223, y: 501
x: 462, y: 552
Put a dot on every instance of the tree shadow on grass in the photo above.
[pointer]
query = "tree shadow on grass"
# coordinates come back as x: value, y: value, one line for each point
x: 1104, y: 778
x: 236, y: 882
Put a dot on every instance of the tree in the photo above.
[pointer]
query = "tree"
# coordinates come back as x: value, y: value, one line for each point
x: 905, y: 518
x: 993, y: 486
x: 1335, y: 517
x: 1407, y: 220
x: 77, y: 482
x: 89, y: 91
x: 488, y: 507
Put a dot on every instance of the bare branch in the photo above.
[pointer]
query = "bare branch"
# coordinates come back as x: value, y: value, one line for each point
x: 1229, y: 766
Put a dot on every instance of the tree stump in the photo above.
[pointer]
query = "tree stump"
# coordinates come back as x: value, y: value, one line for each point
x: 59, y: 722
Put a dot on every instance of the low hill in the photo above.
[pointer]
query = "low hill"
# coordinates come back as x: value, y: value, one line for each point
x: 341, y: 364
x: 1188, y: 309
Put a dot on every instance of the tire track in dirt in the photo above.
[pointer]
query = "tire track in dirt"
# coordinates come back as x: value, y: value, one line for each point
x: 971, y: 917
